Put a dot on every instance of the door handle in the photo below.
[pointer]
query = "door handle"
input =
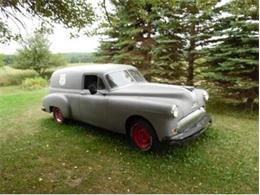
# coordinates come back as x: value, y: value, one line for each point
x: 83, y: 93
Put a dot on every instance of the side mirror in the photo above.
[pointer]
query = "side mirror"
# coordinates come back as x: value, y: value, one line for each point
x: 92, y: 89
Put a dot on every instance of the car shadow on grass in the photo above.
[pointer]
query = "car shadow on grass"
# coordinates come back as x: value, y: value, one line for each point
x: 112, y: 139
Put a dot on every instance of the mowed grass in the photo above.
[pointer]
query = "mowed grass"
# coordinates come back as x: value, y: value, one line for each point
x: 39, y: 156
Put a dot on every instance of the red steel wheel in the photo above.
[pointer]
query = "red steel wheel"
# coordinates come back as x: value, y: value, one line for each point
x: 142, y: 137
x: 58, y: 116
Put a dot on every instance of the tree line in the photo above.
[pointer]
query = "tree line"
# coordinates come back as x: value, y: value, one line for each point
x: 71, y: 57
x: 187, y: 42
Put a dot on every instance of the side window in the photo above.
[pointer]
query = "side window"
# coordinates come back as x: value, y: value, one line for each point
x: 100, y: 84
x: 90, y: 80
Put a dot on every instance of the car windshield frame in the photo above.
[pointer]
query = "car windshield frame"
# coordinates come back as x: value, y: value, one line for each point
x: 128, y: 71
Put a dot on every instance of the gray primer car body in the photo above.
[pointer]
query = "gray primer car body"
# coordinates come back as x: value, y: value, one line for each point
x: 111, y: 108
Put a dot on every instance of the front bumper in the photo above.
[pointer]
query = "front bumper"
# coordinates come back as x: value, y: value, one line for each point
x: 192, y: 131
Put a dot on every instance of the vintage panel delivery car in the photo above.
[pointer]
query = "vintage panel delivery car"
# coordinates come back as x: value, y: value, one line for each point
x: 118, y: 98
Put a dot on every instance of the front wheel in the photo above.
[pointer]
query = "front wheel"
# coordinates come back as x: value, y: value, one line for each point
x: 143, y: 136
x: 58, y: 115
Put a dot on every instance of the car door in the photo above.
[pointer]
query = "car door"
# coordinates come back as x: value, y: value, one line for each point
x: 93, y: 106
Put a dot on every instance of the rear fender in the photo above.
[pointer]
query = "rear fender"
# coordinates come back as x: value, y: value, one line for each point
x: 59, y: 101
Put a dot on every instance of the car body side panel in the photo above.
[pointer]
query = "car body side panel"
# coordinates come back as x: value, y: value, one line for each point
x: 93, y: 109
x: 73, y: 99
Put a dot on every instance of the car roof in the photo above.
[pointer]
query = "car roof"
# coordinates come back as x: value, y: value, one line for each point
x: 97, y: 68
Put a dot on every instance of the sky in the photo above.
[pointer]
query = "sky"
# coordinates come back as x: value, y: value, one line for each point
x: 60, y: 39
x: 60, y: 43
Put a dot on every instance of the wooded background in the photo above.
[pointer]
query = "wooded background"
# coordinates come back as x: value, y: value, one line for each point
x: 187, y: 42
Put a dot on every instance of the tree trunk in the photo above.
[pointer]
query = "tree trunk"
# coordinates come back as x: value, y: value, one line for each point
x: 190, y: 76
x: 191, y: 56
x: 149, y: 40
x: 250, y: 103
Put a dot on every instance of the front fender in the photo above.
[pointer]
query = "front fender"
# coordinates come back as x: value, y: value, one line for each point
x: 122, y: 108
x: 57, y: 100
x: 199, y: 93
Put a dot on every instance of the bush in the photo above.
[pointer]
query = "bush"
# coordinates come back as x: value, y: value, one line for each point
x: 12, y: 76
x: 48, y: 72
x: 34, y: 83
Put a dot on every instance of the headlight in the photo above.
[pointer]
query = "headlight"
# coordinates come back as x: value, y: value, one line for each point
x: 174, y: 110
x: 206, y: 95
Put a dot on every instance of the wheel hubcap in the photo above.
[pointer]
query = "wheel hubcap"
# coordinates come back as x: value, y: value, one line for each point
x: 58, y: 115
x: 142, y: 137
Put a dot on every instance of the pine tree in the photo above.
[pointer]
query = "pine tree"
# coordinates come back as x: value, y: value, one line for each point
x: 183, y: 28
x: 234, y: 59
x: 168, y: 65
x: 196, y: 20
x: 129, y: 35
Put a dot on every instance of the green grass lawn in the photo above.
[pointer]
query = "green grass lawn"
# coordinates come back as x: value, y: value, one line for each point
x: 39, y: 156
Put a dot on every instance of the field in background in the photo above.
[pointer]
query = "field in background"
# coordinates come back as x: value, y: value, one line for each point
x: 40, y: 156
x: 12, y: 76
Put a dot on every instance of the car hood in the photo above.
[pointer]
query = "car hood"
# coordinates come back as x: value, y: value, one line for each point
x: 183, y: 96
x: 153, y: 89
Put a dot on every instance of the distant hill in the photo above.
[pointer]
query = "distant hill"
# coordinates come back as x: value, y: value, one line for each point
x: 79, y: 57
x: 73, y: 57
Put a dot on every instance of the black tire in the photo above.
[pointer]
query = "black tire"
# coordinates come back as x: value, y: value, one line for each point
x: 144, y: 144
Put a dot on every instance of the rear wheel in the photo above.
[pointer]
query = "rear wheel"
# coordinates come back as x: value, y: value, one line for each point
x: 143, y: 136
x: 58, y: 115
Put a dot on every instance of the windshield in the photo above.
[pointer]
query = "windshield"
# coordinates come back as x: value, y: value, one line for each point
x: 124, y: 77
x: 136, y: 75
